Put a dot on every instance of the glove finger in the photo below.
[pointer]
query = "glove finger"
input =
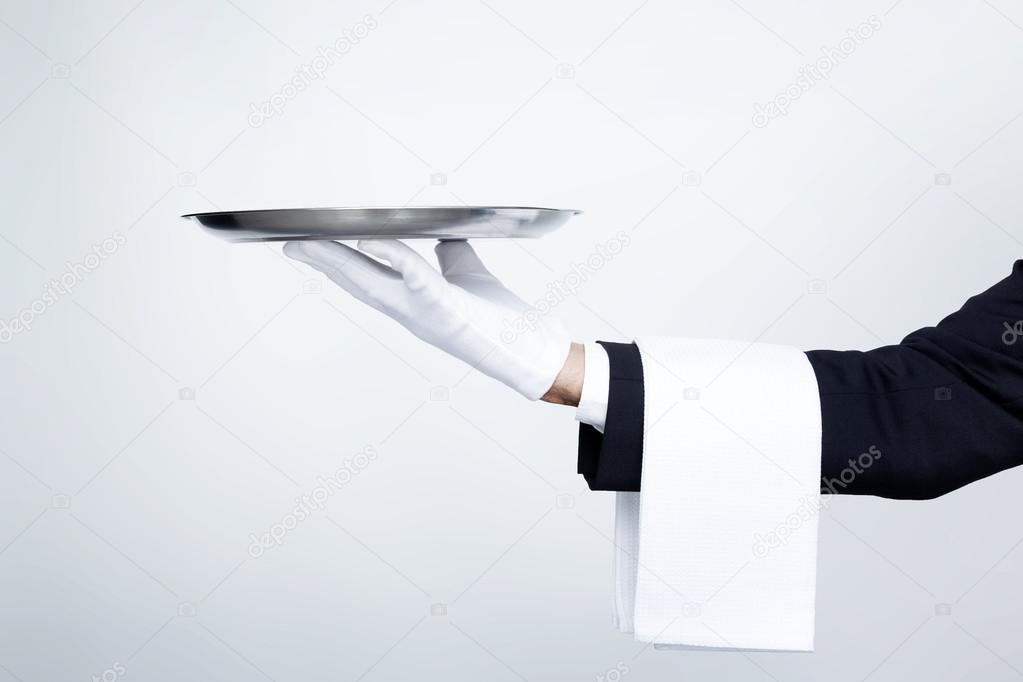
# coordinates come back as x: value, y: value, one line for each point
x: 356, y: 273
x: 414, y: 269
x: 462, y: 267
x: 457, y: 258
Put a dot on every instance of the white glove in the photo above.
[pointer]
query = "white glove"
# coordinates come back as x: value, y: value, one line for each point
x: 466, y: 312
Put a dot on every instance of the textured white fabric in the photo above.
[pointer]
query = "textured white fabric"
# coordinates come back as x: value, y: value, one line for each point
x: 626, y: 559
x: 463, y: 310
x: 718, y: 549
x: 592, y: 407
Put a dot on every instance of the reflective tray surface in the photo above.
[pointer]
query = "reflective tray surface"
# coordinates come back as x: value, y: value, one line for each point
x: 423, y: 222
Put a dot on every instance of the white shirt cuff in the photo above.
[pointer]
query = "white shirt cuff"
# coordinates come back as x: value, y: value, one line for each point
x: 592, y: 408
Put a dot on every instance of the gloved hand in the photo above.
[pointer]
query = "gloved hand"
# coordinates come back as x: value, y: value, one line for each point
x: 463, y: 309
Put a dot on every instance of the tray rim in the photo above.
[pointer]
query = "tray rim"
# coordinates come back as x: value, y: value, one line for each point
x: 573, y: 211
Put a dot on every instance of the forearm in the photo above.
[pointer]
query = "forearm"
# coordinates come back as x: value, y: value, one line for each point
x: 940, y: 410
x: 910, y: 421
x: 568, y: 387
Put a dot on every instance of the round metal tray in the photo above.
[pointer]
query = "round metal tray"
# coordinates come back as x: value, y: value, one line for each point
x: 416, y: 222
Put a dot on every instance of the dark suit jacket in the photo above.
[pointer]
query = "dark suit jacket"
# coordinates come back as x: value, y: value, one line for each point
x: 911, y: 421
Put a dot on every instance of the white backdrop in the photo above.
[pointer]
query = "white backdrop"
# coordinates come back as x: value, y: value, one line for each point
x: 171, y: 396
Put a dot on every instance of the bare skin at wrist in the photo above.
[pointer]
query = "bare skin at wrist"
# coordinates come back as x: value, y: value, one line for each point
x: 568, y: 387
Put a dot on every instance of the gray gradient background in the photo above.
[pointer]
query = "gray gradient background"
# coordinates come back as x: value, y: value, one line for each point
x: 127, y: 506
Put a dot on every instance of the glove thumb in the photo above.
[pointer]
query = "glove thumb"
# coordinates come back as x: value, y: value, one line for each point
x: 457, y: 259
x: 413, y: 268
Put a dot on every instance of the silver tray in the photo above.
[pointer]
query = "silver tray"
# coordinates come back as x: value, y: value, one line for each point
x: 422, y: 222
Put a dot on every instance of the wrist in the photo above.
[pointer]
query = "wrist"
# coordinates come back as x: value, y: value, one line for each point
x: 568, y: 386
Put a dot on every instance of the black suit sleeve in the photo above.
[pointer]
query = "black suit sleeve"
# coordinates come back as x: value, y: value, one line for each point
x: 911, y: 421
x: 614, y: 460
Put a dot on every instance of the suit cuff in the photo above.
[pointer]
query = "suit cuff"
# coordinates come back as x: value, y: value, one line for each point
x: 613, y: 460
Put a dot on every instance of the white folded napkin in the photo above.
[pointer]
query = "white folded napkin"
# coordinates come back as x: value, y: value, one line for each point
x: 719, y: 550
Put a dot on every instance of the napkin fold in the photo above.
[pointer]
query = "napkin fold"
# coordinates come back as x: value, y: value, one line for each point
x: 719, y: 549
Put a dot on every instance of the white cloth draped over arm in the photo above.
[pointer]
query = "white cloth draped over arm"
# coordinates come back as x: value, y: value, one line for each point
x: 719, y: 548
